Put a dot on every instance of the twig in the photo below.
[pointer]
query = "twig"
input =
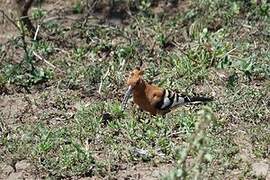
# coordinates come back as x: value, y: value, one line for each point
x: 47, y: 62
x: 229, y: 52
x: 22, y: 10
x: 22, y: 32
x: 36, y: 33
x: 40, y: 58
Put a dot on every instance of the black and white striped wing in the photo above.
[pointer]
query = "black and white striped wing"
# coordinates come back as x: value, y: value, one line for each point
x: 169, y: 99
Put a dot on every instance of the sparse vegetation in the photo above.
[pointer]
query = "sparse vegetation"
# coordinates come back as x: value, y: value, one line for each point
x: 60, y: 95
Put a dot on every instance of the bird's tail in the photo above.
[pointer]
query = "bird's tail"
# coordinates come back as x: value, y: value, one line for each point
x: 188, y: 99
x: 183, y: 99
x: 171, y: 99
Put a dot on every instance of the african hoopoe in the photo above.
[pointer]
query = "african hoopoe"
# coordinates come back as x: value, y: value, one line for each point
x: 154, y: 99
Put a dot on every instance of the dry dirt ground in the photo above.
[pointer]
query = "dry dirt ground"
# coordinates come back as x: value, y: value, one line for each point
x: 26, y: 108
x: 46, y: 103
x: 20, y: 108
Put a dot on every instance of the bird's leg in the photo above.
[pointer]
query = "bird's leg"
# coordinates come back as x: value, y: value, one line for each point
x: 140, y: 115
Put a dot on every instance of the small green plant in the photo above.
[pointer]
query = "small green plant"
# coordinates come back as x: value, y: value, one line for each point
x: 78, y: 7
x: 264, y: 9
x: 43, y: 48
x: 143, y: 7
x: 38, y: 14
x: 162, y: 40
x: 92, y: 75
x: 79, y: 53
x: 53, y: 27
x: 26, y: 76
x: 60, y: 153
x: 197, y: 143
x: 232, y: 80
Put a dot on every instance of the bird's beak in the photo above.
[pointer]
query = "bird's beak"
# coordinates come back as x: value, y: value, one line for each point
x: 127, y: 94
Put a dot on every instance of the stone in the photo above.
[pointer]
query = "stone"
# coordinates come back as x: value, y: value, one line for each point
x: 22, y: 165
x: 260, y: 169
x: 14, y: 176
x: 156, y: 173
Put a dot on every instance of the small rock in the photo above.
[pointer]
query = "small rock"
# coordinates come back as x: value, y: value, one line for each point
x: 21, y: 165
x: 17, y: 175
x: 140, y: 152
x: 260, y: 169
x: 156, y: 173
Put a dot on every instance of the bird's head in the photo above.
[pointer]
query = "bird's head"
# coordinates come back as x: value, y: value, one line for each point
x: 133, y: 82
x: 135, y: 78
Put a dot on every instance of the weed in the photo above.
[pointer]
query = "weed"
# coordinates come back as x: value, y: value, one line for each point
x: 38, y: 14
x: 197, y: 143
x: 43, y: 47
x: 23, y: 76
x: 79, y: 53
x: 78, y: 7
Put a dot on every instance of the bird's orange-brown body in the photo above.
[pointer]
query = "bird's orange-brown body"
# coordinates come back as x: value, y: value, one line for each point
x: 154, y: 99
x: 146, y: 96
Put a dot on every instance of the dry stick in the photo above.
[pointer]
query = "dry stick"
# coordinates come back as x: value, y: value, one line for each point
x: 22, y: 33
x: 13, y: 22
x: 25, y: 44
x: 47, y: 62
x: 36, y: 33
x: 229, y: 52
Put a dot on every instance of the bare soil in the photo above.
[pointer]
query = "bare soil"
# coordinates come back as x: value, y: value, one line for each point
x: 47, y: 103
x: 20, y: 107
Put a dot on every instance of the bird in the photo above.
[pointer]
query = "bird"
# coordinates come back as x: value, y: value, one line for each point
x: 153, y: 99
